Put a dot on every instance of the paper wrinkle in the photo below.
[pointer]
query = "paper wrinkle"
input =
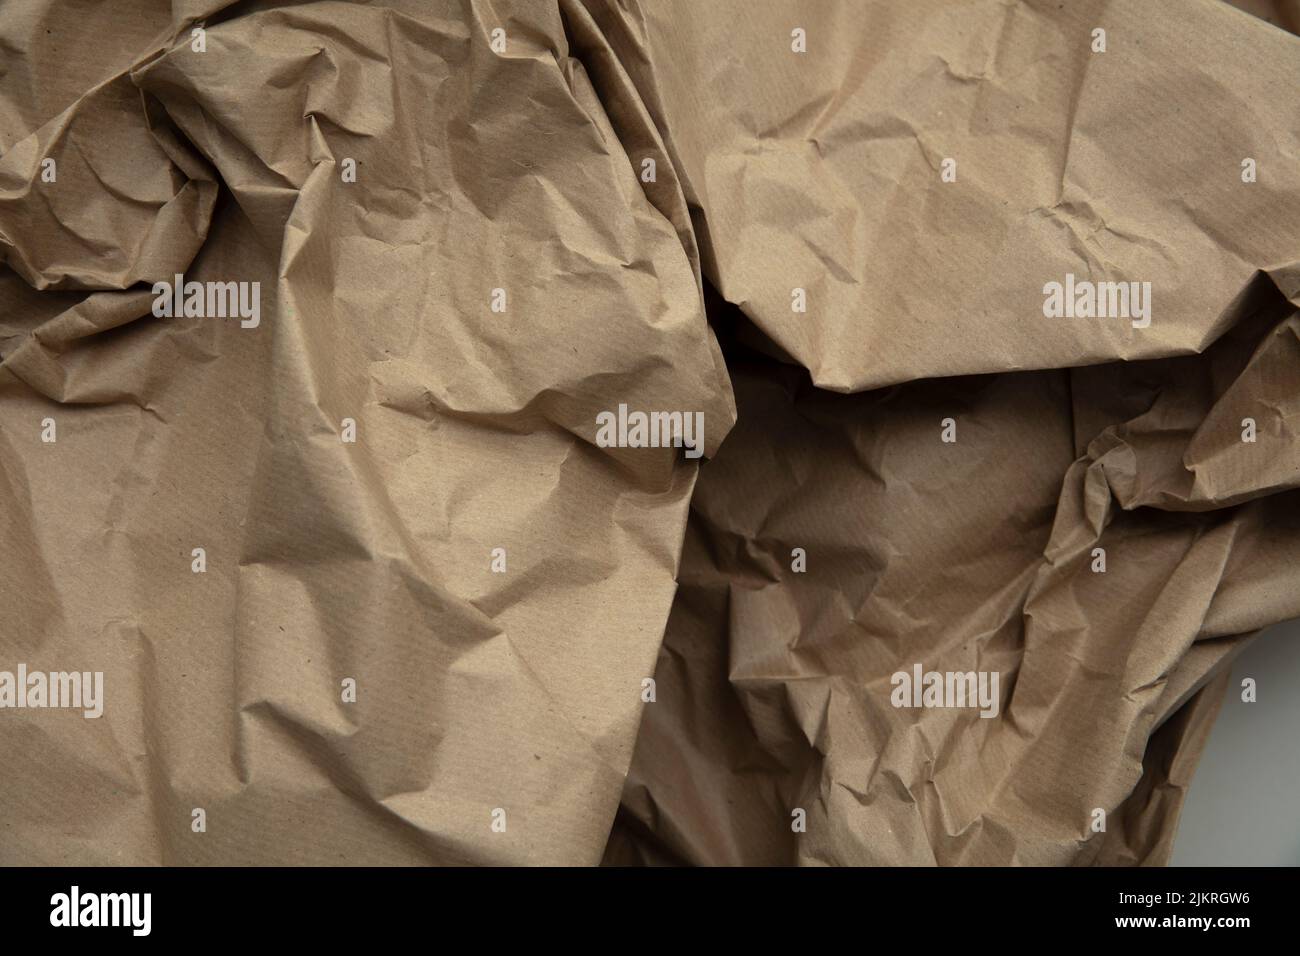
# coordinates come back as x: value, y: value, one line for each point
x: 372, y: 560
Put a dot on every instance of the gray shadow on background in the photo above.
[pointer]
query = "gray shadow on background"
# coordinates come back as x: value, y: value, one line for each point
x: 1243, y: 807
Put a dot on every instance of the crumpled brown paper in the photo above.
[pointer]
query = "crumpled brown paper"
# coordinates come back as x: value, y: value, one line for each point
x: 499, y: 271
x: 325, y: 561
x: 977, y: 555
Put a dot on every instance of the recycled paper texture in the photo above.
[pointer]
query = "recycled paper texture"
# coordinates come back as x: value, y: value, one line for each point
x: 639, y: 431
